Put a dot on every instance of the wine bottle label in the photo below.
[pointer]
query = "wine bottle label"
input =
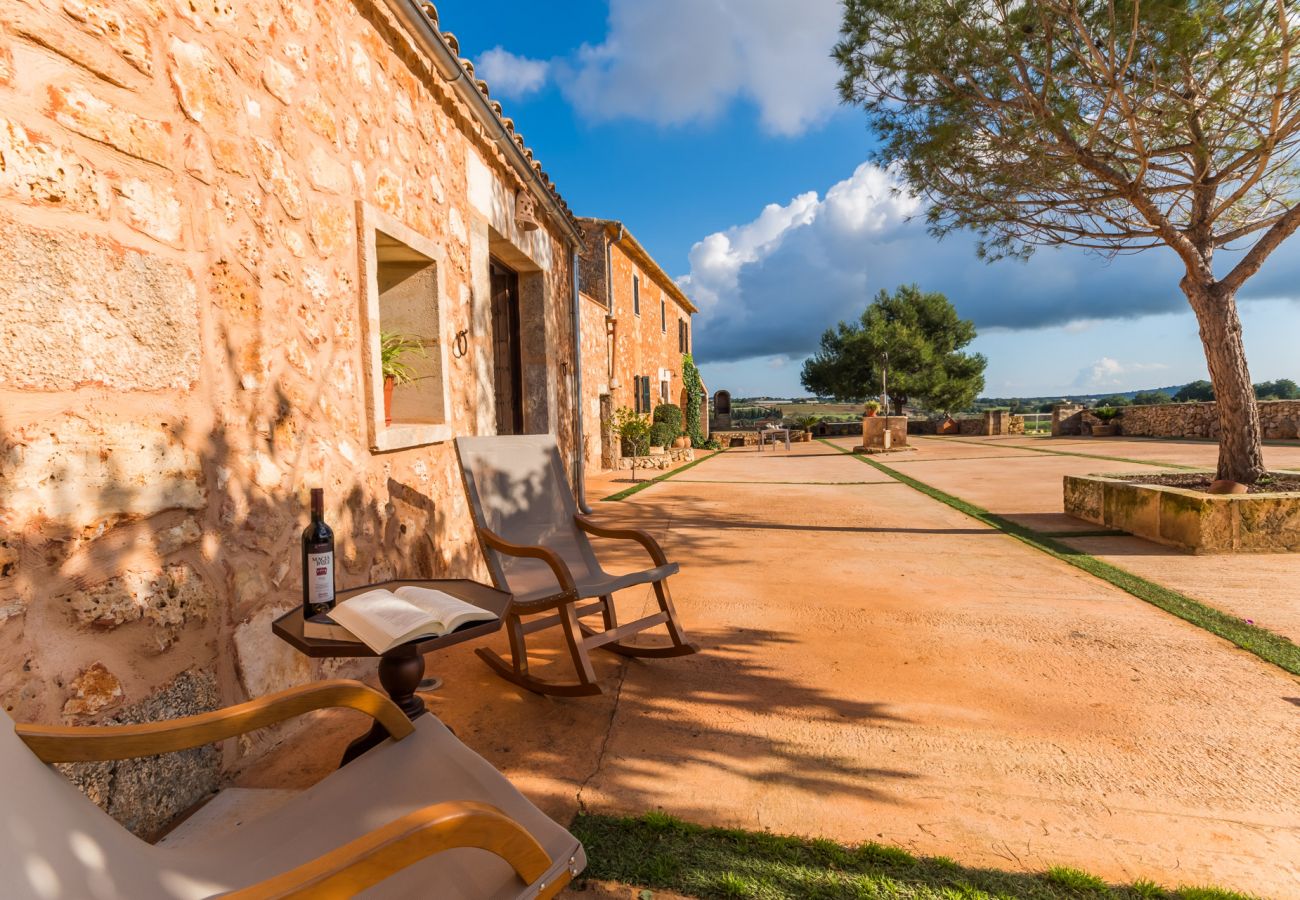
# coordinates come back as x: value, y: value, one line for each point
x: 320, y: 568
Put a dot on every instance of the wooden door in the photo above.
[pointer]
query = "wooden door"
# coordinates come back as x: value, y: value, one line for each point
x: 508, y: 376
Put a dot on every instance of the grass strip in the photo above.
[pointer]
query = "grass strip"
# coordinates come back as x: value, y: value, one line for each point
x: 642, y: 485
x: 1100, y: 532
x: 661, y: 852
x: 1265, y: 644
x: 1122, y: 459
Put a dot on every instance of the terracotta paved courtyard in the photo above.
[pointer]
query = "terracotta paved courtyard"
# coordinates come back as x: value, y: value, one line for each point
x: 878, y: 666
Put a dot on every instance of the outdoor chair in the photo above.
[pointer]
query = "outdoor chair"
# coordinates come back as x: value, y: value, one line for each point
x: 420, y: 815
x: 537, y: 547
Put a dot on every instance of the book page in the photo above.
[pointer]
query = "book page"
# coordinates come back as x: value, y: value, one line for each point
x: 381, y: 618
x: 450, y: 612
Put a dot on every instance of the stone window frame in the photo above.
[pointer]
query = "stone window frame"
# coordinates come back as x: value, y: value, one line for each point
x: 399, y: 436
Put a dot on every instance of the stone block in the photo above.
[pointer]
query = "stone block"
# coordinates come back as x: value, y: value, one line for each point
x: 202, y: 88
x: 77, y: 309
x: 167, y: 598
x: 319, y: 117
x: 1270, y: 523
x: 94, y: 691
x: 279, y: 80
x: 331, y: 227
x: 326, y: 173
x: 1083, y: 499
x: 1193, y: 520
x: 151, y: 208
x: 147, y: 794
x: 39, y: 173
x: 1131, y: 508
x: 277, y: 179
x: 6, y: 65
x: 124, y: 34
x: 874, y: 429
x: 83, y: 112
x: 266, y: 663
x: 75, y: 472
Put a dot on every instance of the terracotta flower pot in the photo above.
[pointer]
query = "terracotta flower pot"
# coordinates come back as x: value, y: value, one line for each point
x: 389, y: 384
x: 682, y: 442
x: 871, y: 413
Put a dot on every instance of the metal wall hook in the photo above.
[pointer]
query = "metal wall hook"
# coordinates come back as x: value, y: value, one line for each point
x: 460, y: 346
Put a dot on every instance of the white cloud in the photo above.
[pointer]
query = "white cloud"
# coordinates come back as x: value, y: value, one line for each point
x: 678, y: 61
x: 771, y: 286
x: 1108, y: 374
x: 509, y: 75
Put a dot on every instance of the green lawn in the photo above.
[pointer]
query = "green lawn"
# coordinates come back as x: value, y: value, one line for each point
x: 656, y: 851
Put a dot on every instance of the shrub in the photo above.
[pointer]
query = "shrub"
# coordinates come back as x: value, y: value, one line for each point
x: 662, y: 434
x: 1108, y: 413
x: 694, y: 400
x: 669, y: 414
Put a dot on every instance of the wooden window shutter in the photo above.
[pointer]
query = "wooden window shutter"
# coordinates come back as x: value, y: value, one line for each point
x: 645, y: 393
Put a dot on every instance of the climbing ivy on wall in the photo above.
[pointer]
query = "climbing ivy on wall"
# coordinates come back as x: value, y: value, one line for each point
x: 694, y: 397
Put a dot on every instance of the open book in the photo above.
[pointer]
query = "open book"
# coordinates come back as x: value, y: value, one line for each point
x: 383, y: 619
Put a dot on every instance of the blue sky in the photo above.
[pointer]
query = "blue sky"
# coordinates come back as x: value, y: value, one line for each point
x: 712, y: 129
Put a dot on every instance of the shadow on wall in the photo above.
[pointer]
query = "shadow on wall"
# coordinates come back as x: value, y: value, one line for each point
x: 143, y: 558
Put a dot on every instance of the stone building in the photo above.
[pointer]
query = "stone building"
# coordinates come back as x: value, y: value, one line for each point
x: 636, y: 326
x: 209, y: 212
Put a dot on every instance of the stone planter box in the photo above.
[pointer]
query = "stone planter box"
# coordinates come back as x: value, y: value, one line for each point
x: 1187, y: 519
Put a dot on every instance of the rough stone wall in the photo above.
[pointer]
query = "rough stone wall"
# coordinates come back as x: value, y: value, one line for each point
x: 640, y: 345
x: 595, y: 380
x: 181, y: 312
x: 1280, y: 420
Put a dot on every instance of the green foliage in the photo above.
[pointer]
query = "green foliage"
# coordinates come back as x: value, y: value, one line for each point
x: 1151, y: 398
x: 393, y: 349
x: 1116, y: 401
x: 1196, y: 391
x: 669, y: 414
x: 662, y: 434
x: 1282, y: 389
x: 1107, y: 413
x: 634, y: 429
x: 694, y: 387
x: 872, y: 406
x: 808, y: 423
x: 923, y: 337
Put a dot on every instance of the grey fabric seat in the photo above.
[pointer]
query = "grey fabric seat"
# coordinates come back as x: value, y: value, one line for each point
x: 537, y: 547
x: 55, y: 843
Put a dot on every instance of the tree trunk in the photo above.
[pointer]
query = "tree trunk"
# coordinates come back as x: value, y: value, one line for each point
x: 1241, y: 453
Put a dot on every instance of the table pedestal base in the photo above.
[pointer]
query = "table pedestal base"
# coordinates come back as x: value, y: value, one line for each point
x: 400, y: 672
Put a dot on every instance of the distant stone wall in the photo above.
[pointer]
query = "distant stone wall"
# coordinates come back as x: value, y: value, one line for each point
x: 1280, y: 420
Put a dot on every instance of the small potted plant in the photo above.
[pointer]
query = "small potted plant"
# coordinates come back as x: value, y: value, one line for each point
x: 807, y: 423
x: 871, y: 408
x: 394, y: 349
x: 1107, y: 415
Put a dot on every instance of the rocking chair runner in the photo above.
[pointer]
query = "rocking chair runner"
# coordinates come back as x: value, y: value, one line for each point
x: 537, y: 548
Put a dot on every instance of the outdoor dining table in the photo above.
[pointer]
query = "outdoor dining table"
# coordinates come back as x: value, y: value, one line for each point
x: 772, y: 433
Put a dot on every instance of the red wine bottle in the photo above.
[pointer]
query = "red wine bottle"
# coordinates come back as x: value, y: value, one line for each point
x: 317, y: 560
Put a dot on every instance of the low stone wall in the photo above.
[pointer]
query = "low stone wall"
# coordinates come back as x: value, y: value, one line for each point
x: 666, y: 460
x: 1279, y: 419
x: 746, y: 438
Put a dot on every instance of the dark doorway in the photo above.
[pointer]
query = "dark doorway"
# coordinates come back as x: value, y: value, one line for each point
x: 507, y: 365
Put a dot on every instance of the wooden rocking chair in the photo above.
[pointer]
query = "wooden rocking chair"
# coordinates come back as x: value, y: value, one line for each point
x: 537, y: 547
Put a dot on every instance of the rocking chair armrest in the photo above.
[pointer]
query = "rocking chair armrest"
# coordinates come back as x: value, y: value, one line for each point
x: 63, y: 744
x: 348, y: 870
x: 644, y: 538
x: 568, y: 586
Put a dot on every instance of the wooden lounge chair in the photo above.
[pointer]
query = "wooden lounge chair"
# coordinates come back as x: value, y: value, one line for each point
x: 537, y: 548
x: 420, y: 815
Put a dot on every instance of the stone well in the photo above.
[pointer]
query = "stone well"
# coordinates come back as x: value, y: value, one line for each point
x: 1187, y: 519
x: 875, y: 428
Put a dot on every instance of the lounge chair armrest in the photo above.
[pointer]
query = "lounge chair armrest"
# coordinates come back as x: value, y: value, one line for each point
x: 644, y: 538
x: 62, y: 743
x: 568, y: 587
x: 368, y: 860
